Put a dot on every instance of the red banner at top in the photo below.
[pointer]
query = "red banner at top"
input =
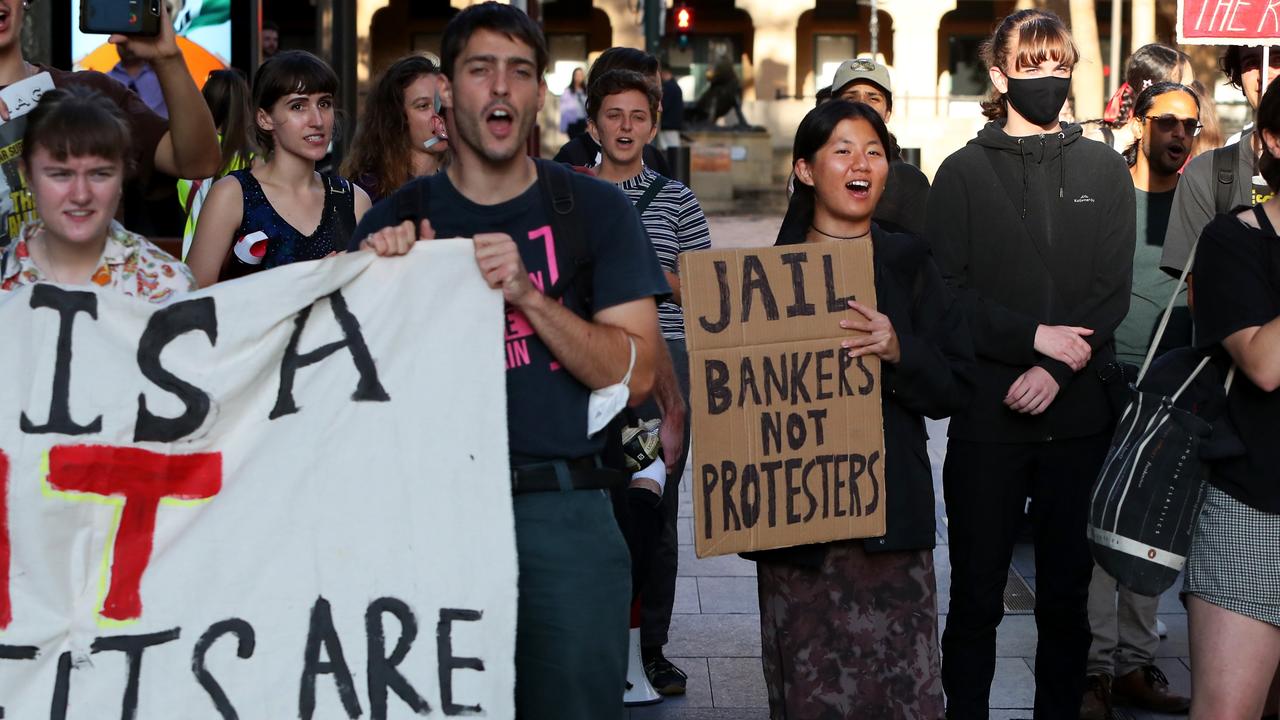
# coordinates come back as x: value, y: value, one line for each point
x: 1228, y: 22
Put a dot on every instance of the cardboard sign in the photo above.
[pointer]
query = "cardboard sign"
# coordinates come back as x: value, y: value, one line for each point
x: 788, y: 434
x: 287, y: 496
x: 16, y: 205
x: 1228, y: 22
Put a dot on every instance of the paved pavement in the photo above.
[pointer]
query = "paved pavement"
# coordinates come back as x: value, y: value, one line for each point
x: 715, y: 631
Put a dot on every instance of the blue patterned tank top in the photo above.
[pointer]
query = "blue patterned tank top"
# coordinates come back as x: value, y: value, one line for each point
x: 265, y: 240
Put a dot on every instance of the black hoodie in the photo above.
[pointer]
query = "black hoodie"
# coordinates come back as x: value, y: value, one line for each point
x: 1029, y: 231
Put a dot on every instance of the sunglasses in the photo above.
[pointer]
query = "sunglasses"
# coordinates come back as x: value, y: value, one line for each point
x: 862, y: 64
x: 1167, y: 123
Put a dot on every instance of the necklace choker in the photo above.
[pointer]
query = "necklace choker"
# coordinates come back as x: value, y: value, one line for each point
x: 840, y: 237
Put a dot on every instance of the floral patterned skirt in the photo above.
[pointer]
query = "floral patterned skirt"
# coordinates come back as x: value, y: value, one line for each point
x: 856, y: 639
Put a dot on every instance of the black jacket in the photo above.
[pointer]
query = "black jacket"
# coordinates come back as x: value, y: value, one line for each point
x: 1030, y: 231
x: 931, y: 380
x: 582, y: 151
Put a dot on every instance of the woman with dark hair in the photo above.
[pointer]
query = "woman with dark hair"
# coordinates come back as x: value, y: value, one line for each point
x: 401, y: 134
x: 227, y: 94
x: 254, y: 217
x: 850, y: 629
x: 573, y: 105
x: 74, y: 157
x: 1232, y: 583
x: 583, y: 150
x: 1032, y: 226
x: 1147, y: 65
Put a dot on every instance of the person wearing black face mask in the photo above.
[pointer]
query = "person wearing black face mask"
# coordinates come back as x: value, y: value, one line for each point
x: 1032, y: 226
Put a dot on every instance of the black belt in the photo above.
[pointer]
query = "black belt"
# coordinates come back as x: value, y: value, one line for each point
x: 563, y: 475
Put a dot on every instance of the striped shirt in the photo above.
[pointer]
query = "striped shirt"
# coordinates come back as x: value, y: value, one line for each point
x: 675, y: 224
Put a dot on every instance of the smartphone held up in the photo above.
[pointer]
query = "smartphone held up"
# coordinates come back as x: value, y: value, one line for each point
x: 120, y: 17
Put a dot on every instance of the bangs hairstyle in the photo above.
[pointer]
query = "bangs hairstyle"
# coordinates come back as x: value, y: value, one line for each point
x: 1269, y: 120
x: 620, y: 81
x: 1038, y: 35
x: 495, y: 17
x: 292, y: 72
x: 78, y: 121
x: 381, y: 146
x: 1142, y: 106
x: 815, y: 131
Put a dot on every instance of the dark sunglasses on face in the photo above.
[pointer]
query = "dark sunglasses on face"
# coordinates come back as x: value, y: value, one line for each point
x: 1167, y: 123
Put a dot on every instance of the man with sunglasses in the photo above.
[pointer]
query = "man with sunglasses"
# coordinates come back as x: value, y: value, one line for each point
x: 1199, y: 196
x: 1122, y: 654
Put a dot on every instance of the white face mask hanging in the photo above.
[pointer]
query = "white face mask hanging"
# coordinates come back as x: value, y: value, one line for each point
x: 607, y: 402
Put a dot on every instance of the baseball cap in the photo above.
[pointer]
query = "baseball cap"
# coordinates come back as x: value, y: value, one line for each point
x: 861, y: 69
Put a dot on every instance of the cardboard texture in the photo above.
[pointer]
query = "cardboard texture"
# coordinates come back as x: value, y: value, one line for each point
x: 788, y: 434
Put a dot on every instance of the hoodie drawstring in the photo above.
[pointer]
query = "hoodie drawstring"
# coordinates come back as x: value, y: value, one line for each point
x: 1022, y: 154
x: 1062, y: 163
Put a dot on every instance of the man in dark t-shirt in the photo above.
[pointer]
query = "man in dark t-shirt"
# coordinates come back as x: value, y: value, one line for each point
x: 574, y: 582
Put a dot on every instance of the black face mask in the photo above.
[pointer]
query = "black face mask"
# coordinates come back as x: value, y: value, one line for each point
x: 1038, y: 99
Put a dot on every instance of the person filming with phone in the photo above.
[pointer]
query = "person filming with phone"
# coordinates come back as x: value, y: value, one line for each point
x: 186, y: 145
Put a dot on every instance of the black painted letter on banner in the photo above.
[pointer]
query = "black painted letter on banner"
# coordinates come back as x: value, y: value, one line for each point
x: 449, y: 663
x: 163, y: 327
x: 382, y: 670
x: 67, y: 303
x: 322, y: 632
x: 245, y: 641
x: 368, y: 388
x: 722, y: 282
x: 132, y: 646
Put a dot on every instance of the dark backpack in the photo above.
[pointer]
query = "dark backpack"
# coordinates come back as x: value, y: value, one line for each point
x: 1225, y: 160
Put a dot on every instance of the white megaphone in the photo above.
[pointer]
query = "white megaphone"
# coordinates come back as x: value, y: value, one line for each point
x: 639, y: 691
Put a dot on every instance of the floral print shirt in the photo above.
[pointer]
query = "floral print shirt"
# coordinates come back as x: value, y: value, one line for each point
x: 131, y: 265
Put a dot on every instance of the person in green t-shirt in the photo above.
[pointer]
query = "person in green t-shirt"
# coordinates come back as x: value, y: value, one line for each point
x: 1121, y: 665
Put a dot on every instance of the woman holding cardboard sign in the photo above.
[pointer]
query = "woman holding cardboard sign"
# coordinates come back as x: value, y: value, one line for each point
x: 850, y: 629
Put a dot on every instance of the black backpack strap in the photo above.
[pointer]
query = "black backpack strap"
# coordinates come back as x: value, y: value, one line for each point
x: 1225, y: 160
x: 343, y: 195
x: 573, y: 256
x: 1108, y: 134
x: 650, y: 193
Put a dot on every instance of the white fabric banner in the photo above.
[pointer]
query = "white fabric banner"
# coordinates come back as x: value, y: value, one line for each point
x: 284, y: 497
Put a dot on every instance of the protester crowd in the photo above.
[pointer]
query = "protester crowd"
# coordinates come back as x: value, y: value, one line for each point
x: 1018, y: 295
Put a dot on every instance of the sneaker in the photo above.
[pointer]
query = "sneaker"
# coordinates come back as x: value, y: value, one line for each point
x: 1147, y: 688
x: 666, y: 678
x: 1161, y: 629
x: 1096, y: 704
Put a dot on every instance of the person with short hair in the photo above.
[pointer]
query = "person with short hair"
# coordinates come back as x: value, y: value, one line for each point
x: 1032, y: 226
x: 282, y: 210
x: 74, y: 154
x: 621, y: 116
x: 575, y: 571
x: 1164, y: 121
x: 401, y: 134
x: 1196, y: 201
x: 270, y: 40
x: 583, y: 150
x: 906, y: 193
x: 1232, y: 586
x: 186, y: 145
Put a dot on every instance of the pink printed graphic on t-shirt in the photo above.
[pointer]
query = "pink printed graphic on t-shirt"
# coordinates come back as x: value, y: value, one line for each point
x: 518, y: 329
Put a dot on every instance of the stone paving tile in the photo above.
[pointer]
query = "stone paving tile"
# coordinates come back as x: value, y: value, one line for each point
x: 1024, y: 560
x: 1015, y: 638
x: 1014, y: 685
x: 942, y: 576
x: 718, y: 636
x: 674, y: 711
x: 738, y: 682
x: 686, y: 596
x: 684, y: 531
x: 1176, y: 645
x: 720, y: 565
x: 735, y: 595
